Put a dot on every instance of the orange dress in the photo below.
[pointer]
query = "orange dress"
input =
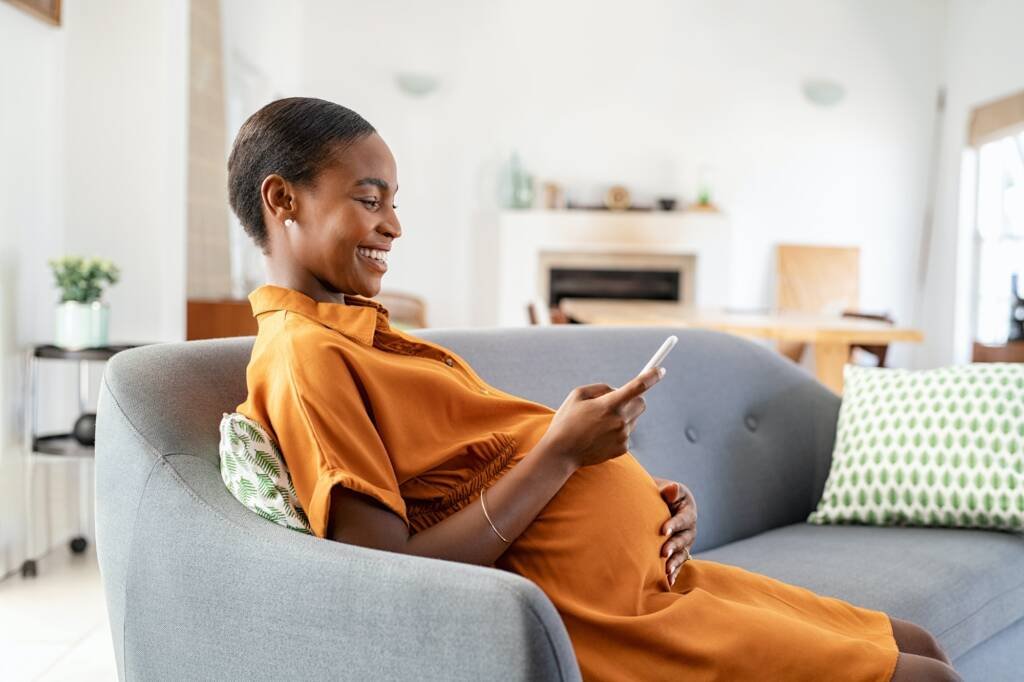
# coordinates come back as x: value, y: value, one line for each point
x: 353, y: 402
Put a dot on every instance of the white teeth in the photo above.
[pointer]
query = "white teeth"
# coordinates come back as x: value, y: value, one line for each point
x: 374, y: 253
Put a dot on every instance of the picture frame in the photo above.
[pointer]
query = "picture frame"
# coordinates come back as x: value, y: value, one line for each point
x: 47, y: 10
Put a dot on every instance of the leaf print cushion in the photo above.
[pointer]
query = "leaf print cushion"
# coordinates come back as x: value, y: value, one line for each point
x: 940, y: 447
x: 253, y: 470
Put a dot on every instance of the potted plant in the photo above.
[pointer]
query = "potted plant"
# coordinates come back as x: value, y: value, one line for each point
x: 82, y: 318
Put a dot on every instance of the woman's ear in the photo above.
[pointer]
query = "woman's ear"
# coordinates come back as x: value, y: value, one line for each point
x: 277, y: 196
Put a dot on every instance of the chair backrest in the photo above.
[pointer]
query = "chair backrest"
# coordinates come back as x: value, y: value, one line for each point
x: 817, y: 279
x: 404, y: 308
x: 179, y: 556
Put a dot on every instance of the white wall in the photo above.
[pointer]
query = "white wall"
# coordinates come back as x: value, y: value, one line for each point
x: 593, y: 93
x: 124, y: 166
x: 260, y: 39
x: 985, y: 61
x: 94, y: 164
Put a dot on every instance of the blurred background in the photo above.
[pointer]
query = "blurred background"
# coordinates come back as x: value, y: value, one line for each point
x: 828, y: 156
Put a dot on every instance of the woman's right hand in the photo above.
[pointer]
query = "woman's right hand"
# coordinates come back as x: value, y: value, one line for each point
x: 594, y: 422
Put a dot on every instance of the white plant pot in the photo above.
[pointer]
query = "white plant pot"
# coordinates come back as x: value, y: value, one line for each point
x: 82, y: 325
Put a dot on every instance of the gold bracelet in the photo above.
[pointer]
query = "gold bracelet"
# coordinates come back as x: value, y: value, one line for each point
x: 488, y: 517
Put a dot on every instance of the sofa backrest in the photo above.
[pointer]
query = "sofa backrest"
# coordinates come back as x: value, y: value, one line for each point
x: 748, y: 431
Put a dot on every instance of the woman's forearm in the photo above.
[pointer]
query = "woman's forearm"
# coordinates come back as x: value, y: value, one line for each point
x: 513, y: 502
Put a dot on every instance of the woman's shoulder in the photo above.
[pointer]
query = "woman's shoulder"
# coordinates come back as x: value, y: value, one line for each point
x: 298, y: 339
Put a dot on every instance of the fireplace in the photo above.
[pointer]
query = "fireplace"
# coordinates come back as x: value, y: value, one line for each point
x: 634, y: 275
x: 545, y: 256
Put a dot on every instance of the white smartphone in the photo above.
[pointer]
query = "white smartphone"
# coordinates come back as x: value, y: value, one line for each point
x: 659, y: 356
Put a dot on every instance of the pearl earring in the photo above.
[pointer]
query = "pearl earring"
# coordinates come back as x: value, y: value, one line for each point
x: 289, y: 222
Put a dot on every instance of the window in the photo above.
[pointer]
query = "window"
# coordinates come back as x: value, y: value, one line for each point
x: 999, y: 235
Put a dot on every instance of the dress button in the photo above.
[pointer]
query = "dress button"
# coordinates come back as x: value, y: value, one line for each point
x: 751, y: 422
x: 448, y: 361
x: 691, y: 434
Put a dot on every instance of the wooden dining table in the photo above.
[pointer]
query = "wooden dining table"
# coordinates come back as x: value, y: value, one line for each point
x: 831, y: 336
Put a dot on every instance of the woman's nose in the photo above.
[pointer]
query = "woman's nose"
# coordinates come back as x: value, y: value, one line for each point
x: 392, y: 227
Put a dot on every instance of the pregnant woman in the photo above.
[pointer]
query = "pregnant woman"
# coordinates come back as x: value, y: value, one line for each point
x: 395, y: 443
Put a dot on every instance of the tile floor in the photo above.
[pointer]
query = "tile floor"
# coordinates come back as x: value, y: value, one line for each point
x: 54, y: 626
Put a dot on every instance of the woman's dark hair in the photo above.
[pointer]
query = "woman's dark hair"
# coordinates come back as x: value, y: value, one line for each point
x: 293, y: 138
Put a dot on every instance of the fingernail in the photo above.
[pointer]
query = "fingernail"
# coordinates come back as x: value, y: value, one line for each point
x: 661, y: 371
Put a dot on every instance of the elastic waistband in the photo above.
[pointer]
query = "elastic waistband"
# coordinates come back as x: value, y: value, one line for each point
x: 498, y: 452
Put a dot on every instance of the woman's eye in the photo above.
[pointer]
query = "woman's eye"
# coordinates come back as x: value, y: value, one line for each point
x: 372, y: 204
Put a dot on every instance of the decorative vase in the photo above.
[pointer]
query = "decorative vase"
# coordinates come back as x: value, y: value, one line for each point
x: 516, y: 185
x: 82, y: 325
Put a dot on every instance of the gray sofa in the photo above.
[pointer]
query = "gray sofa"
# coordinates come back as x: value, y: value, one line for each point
x: 198, y: 587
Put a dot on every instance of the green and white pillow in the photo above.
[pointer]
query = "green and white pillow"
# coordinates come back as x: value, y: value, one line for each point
x: 254, y: 471
x: 942, y: 447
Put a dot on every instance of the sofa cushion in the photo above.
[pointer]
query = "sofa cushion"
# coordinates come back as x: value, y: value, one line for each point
x: 253, y: 469
x: 963, y: 586
x: 935, y: 447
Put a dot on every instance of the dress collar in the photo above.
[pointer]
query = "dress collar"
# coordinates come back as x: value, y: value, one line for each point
x: 356, y: 318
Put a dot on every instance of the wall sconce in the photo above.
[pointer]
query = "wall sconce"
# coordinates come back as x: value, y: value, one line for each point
x: 824, y: 93
x: 416, y: 84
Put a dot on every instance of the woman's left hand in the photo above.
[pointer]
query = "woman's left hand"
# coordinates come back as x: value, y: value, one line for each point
x: 681, y: 529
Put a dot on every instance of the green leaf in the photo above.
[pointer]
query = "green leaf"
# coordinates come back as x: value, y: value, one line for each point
x: 246, y: 490
x: 267, y: 462
x: 270, y: 514
x: 253, y: 432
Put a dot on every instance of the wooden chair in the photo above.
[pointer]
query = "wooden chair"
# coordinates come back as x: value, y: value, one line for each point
x: 535, y: 313
x: 878, y: 351
x: 404, y: 309
x: 1012, y: 351
x: 820, y: 279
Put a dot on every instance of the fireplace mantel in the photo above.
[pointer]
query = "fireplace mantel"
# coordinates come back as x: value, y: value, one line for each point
x: 524, y: 235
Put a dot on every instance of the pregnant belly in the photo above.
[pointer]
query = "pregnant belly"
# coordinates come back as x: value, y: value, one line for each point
x: 597, y: 541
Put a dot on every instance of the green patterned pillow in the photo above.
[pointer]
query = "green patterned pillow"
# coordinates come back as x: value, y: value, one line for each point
x: 941, y: 447
x: 254, y: 471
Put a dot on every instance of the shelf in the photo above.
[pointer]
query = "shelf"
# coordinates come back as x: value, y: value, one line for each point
x: 97, y: 353
x: 62, y: 445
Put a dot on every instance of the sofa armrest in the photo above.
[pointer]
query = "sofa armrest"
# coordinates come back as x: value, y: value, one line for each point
x: 215, y: 592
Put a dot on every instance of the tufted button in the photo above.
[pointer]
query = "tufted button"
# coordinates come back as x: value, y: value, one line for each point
x: 691, y: 434
x: 485, y: 391
x: 751, y: 422
x: 448, y: 361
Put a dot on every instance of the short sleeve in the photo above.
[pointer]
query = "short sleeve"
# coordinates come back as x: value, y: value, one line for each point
x: 328, y: 438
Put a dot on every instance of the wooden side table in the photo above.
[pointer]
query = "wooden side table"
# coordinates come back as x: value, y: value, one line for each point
x: 1011, y: 351
x: 58, y: 447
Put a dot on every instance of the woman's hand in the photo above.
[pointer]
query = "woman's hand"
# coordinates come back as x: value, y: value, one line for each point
x: 681, y: 528
x: 594, y: 422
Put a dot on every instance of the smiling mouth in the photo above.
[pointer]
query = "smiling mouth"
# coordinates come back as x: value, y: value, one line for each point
x: 378, y: 259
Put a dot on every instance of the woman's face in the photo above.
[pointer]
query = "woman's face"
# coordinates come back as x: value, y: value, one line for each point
x: 346, y: 222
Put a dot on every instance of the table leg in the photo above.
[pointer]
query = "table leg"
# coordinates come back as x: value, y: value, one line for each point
x: 28, y: 567
x: 829, y: 360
